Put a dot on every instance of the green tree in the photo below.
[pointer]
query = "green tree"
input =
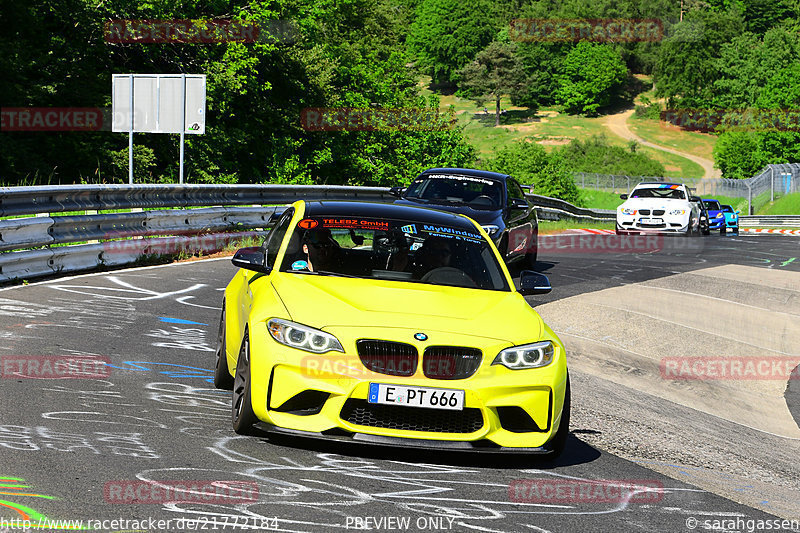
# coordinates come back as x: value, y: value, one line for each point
x: 740, y: 154
x: 496, y: 71
x: 529, y: 163
x: 446, y: 34
x: 589, y: 78
x: 686, y: 69
x: 596, y: 154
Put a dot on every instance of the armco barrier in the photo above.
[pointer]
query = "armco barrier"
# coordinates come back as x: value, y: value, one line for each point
x: 770, y: 220
x: 123, y: 238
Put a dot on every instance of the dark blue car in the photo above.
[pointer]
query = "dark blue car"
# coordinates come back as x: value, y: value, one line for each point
x: 716, y: 218
x: 495, y: 201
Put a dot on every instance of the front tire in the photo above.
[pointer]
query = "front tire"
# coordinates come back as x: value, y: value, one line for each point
x: 242, y: 408
x: 222, y: 377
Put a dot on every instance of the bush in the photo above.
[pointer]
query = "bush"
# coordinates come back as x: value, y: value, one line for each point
x: 531, y: 165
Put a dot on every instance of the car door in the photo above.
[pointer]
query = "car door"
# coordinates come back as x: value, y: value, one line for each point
x: 520, y: 220
x: 271, y: 247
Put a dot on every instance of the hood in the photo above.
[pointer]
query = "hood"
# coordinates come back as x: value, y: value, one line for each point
x: 654, y: 203
x: 328, y: 301
x: 481, y: 216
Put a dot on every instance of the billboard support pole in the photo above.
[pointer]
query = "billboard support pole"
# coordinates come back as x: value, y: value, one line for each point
x: 183, y: 122
x: 130, y: 138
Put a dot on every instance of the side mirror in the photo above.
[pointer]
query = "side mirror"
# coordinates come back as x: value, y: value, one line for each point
x: 251, y: 259
x: 695, y: 199
x: 397, y: 191
x: 737, y: 212
x: 531, y: 282
x: 519, y: 203
x: 623, y: 196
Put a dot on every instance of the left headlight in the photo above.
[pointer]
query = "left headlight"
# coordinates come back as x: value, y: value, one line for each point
x: 534, y: 355
x: 490, y: 229
x: 720, y: 215
x: 675, y: 212
x: 303, y: 337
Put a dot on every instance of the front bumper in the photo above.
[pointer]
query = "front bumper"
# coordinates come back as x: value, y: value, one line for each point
x: 652, y: 224
x: 325, y: 396
x: 716, y: 223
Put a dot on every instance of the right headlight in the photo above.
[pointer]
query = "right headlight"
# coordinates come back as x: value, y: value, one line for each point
x: 303, y: 337
x: 534, y: 355
x: 627, y: 211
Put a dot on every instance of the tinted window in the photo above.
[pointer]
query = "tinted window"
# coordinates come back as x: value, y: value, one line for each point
x: 479, y: 193
x: 660, y: 192
x: 712, y: 205
x: 275, y: 237
x: 395, y: 250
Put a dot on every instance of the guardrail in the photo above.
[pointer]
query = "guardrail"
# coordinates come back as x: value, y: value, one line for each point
x: 159, y: 221
x: 770, y: 220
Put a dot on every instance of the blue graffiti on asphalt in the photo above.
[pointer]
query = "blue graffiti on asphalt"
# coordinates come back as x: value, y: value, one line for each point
x: 169, y: 320
x: 177, y: 371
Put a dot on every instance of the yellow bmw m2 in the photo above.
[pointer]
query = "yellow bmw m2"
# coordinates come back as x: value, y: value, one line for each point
x: 393, y: 325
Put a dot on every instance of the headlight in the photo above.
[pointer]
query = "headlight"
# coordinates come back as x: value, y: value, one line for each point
x: 627, y: 211
x: 490, y: 229
x: 678, y: 212
x: 303, y: 337
x: 534, y: 355
x: 720, y: 215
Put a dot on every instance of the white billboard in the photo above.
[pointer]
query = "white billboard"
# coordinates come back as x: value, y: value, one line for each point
x: 161, y: 103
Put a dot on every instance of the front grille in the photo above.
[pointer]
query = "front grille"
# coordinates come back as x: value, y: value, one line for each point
x: 644, y: 211
x: 450, y: 362
x: 387, y: 357
x: 658, y: 212
x: 403, y: 418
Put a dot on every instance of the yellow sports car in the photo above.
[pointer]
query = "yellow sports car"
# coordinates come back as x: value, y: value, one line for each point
x: 393, y: 325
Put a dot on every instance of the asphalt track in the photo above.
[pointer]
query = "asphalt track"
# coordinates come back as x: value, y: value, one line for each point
x: 157, y: 418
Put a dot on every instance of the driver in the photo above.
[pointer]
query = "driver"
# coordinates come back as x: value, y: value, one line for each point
x: 435, y: 252
x: 321, y: 250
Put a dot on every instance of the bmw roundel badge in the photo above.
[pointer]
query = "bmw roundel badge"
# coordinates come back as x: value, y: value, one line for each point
x: 420, y: 336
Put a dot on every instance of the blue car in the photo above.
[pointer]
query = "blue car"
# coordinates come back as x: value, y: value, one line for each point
x: 716, y: 218
x: 731, y: 220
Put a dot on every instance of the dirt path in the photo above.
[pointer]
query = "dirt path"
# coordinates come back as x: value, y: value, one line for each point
x: 618, y: 124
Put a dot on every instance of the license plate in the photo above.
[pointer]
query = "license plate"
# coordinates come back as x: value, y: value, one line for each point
x: 651, y: 221
x: 451, y: 399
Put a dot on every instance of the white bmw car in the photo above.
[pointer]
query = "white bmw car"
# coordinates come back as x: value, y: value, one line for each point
x: 659, y: 208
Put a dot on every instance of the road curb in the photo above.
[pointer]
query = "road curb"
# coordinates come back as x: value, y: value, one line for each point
x: 777, y: 231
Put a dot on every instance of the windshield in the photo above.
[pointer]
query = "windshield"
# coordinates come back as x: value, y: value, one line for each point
x: 670, y: 192
x: 727, y: 209
x: 400, y: 250
x: 712, y: 205
x: 479, y: 193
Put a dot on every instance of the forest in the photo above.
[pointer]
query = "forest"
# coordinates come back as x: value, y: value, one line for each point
x: 716, y: 55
